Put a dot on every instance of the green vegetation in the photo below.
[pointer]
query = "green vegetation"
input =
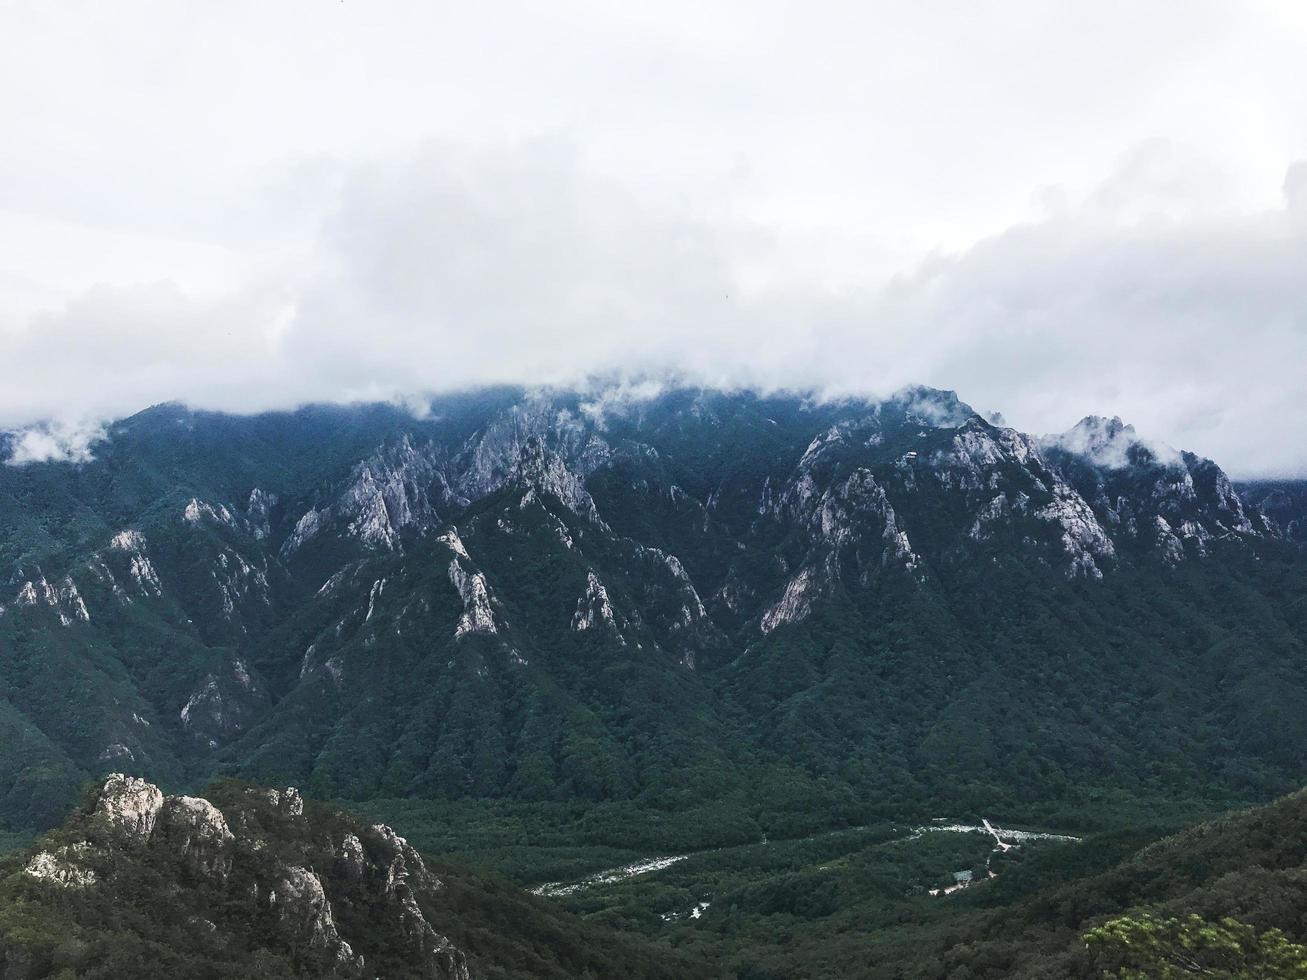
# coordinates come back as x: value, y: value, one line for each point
x: 986, y: 680
x: 1143, y: 947
x: 152, y: 912
x: 986, y: 671
x: 1227, y: 894
x: 852, y: 905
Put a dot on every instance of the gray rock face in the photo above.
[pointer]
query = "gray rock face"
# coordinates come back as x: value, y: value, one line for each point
x: 1110, y: 443
x: 352, y: 856
x: 199, y: 511
x: 796, y: 602
x: 405, y: 871
x: 389, y: 493
x: 1168, y: 543
x: 141, y: 578
x: 301, y: 902
x: 63, y: 598
x: 130, y: 805
x: 61, y: 867
x: 406, y: 857
x: 594, y: 610
x: 223, y: 704
x: 288, y: 800
x: 855, y: 493
x: 1083, y: 538
x: 541, y: 471
x: 493, y: 456
x: 258, y: 512
x: 299, y: 890
x: 684, y: 627
x: 199, y: 832
x: 477, y: 616
x: 396, y: 489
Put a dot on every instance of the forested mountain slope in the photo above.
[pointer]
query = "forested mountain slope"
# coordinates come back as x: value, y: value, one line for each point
x: 665, y: 599
x: 1250, y: 866
x: 1283, y: 501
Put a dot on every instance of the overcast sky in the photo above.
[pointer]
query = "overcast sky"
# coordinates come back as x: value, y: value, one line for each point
x: 1054, y: 208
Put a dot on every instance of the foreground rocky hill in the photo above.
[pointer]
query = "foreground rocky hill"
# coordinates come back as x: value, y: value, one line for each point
x: 666, y: 598
x: 254, y: 882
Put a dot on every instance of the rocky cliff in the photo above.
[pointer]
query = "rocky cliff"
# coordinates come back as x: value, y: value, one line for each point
x: 256, y: 882
x: 326, y: 897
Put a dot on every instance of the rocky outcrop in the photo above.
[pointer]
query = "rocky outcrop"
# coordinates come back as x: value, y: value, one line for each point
x: 352, y: 856
x: 1082, y: 537
x: 197, y: 830
x: 1110, y: 444
x: 129, y: 805
x: 675, y: 608
x: 1150, y: 497
x: 238, y: 581
x: 1282, y: 504
x: 541, y: 471
x: 141, y: 573
x: 404, y: 872
x: 450, y: 539
x: 477, y: 617
x: 396, y: 490
x: 305, y: 529
x: 223, y: 704
x: 296, y: 889
x: 287, y: 802
x: 841, y: 522
x: 199, y: 511
x: 594, y: 610
x: 1168, y: 543
x: 389, y: 493
x: 63, y: 598
x: 63, y: 867
x: 795, y: 603
x: 493, y: 456
x: 305, y: 912
x: 258, y: 512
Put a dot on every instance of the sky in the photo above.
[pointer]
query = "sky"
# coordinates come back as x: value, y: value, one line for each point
x: 1054, y: 209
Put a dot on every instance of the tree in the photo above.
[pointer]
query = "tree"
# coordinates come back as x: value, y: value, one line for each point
x: 1148, y: 948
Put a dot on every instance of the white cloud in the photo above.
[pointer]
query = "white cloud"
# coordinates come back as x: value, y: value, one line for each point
x: 54, y: 442
x: 1109, y: 443
x: 266, y: 205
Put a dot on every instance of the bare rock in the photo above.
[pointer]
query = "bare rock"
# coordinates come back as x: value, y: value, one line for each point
x: 62, y: 867
x: 306, y: 913
x: 199, y: 831
x: 131, y: 805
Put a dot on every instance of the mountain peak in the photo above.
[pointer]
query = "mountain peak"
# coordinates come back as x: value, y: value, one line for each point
x: 1111, y: 443
x: 938, y: 407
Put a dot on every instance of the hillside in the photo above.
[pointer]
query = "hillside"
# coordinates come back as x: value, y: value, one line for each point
x: 1283, y: 501
x: 1250, y: 865
x: 254, y: 882
x: 785, y: 612
x: 883, y: 902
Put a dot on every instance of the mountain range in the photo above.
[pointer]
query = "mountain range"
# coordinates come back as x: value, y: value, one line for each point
x: 676, y: 598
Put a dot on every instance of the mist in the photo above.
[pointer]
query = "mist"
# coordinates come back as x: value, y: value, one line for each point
x: 392, y: 203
